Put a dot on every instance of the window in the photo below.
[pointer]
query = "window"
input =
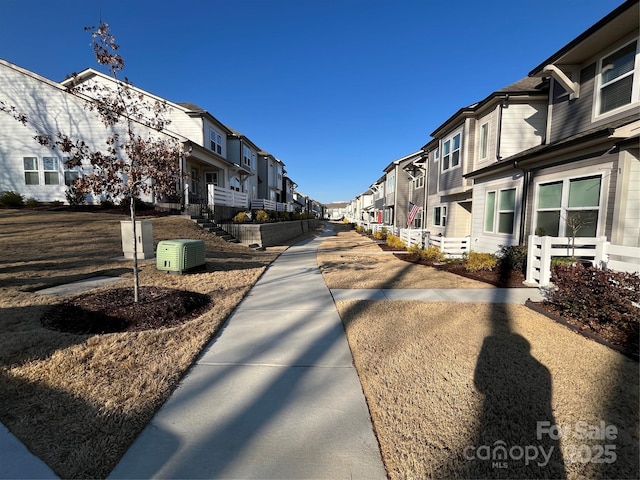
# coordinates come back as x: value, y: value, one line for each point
x: 418, y: 182
x: 211, y: 178
x: 216, y: 141
x: 483, y: 147
x: 30, y: 171
x: 440, y: 216
x: 50, y: 167
x: 246, y: 156
x: 569, y: 204
x: 500, y: 205
x: 616, y: 85
x: 451, y: 152
x: 71, y: 175
x: 391, y: 183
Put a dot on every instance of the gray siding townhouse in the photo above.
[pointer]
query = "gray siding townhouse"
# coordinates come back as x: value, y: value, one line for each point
x: 507, y: 121
x: 588, y: 165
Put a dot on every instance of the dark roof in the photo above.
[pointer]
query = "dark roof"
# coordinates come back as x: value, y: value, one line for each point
x: 191, y: 106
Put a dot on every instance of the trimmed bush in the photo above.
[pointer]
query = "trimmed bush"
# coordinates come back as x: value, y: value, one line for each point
x: 513, y: 257
x: 594, y: 295
x: 380, y: 234
x: 11, y: 200
x: 32, y: 203
x: 476, y: 262
x: 240, y: 217
x: 359, y: 229
x: 395, y: 242
x: 262, y: 216
x: 432, y: 254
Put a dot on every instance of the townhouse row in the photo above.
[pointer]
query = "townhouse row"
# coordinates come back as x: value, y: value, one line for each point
x: 553, y: 152
x: 223, y: 171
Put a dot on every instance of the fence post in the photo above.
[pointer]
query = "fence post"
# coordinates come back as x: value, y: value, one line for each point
x: 602, y: 253
x: 545, y: 261
x: 531, y: 248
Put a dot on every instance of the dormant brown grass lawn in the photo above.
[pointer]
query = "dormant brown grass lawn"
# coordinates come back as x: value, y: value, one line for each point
x: 447, y: 383
x: 79, y: 401
x: 439, y: 378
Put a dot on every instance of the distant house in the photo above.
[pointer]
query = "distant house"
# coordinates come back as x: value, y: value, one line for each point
x: 336, y: 210
x: 588, y: 166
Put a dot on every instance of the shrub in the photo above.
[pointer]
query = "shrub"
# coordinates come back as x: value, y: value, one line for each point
x: 395, y: 242
x: 11, y: 200
x: 56, y: 203
x: 75, y: 198
x: 32, y: 203
x: 513, y: 257
x: 262, y: 216
x: 566, y: 261
x: 359, y: 229
x: 432, y: 254
x: 125, y: 204
x: 380, y: 234
x: 476, y: 262
x: 594, y: 295
x: 240, y: 217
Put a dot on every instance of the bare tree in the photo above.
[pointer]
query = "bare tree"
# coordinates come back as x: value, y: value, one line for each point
x: 131, y: 164
x: 575, y: 222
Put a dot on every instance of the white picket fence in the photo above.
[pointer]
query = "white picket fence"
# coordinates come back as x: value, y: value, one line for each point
x: 596, y: 250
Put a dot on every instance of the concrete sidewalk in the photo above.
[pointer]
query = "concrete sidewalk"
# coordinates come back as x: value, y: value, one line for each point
x: 275, y: 395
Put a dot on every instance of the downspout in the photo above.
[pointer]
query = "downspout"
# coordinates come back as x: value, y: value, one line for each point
x: 526, y: 180
x: 502, y: 105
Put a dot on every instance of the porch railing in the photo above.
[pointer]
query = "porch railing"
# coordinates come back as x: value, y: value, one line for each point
x: 226, y: 197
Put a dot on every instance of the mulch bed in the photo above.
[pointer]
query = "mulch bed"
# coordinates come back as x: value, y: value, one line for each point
x: 114, y: 310
x: 610, y: 335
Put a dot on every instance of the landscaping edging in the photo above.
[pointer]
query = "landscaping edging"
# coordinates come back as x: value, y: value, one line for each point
x: 269, y: 234
x: 536, y: 308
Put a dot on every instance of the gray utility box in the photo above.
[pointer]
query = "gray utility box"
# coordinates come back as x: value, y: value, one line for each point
x: 180, y: 255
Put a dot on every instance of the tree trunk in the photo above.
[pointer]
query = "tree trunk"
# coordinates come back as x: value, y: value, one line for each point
x: 136, y: 282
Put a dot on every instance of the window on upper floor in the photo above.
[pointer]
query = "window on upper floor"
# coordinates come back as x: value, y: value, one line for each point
x: 246, y: 156
x: 616, y: 85
x: 440, y: 216
x: 391, y: 183
x: 451, y: 152
x: 567, y: 204
x: 31, y: 176
x: 418, y: 182
x: 216, y: 141
x: 499, y: 211
x: 483, y: 142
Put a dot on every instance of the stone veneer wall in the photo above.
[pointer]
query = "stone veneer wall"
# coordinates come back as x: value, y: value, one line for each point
x: 268, y: 234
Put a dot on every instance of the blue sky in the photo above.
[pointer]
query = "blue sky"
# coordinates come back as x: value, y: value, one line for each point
x: 336, y: 89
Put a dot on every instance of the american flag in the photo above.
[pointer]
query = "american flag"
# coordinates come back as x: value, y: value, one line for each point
x: 413, y: 211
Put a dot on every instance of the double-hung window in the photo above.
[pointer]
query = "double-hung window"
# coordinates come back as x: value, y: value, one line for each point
x: 440, y: 216
x: 50, y: 167
x: 567, y: 205
x: 216, y: 141
x: 31, y: 176
x: 70, y: 174
x: 617, y: 72
x: 451, y: 152
x: 246, y: 156
x: 499, y: 213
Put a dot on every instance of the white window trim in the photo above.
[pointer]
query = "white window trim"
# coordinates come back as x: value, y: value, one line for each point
x: 450, y: 138
x: 635, y: 92
x: 577, y: 174
x: 496, y: 211
x: 483, y: 141
x: 215, y: 138
x: 443, y: 215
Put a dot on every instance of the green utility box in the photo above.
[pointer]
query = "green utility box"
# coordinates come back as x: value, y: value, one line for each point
x: 180, y: 255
